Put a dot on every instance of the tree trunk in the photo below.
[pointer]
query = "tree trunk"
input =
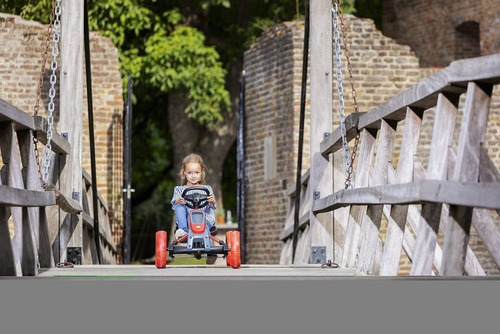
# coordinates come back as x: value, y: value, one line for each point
x: 188, y: 136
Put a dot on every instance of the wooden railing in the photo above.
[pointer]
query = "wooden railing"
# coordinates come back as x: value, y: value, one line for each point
x: 32, y: 233
x: 108, y: 247
x: 458, y: 188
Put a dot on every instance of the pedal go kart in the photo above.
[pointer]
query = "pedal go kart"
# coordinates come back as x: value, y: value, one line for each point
x: 198, y: 240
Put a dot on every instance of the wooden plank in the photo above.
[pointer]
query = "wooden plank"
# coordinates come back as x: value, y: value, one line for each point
x: 58, y: 143
x: 333, y: 142
x: 487, y: 171
x: 369, y: 260
x: 45, y: 254
x: 424, y: 94
x: 287, y: 233
x: 21, y: 120
x: 433, y: 191
x: 397, y: 218
x: 71, y: 97
x: 302, y: 256
x: 25, y: 198
x: 31, y: 216
x: 86, y: 177
x: 321, y: 233
x: 23, y: 240
x: 472, y: 265
x: 484, y: 69
x: 349, y: 254
x: 475, y: 119
x: 442, y: 138
x: 340, y: 216
x: 10, y: 264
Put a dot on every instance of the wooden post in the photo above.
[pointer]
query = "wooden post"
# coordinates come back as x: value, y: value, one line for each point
x: 321, y: 181
x: 475, y: 119
x: 369, y: 261
x: 442, y: 137
x: 71, y: 97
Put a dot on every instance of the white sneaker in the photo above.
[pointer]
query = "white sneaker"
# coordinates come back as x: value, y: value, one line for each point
x: 179, y: 233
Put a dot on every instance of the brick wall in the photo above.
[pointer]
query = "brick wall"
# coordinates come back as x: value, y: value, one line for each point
x: 381, y: 69
x: 434, y: 29
x: 20, y: 62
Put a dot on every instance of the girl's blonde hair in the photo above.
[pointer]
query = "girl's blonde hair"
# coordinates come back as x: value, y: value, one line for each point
x: 192, y: 158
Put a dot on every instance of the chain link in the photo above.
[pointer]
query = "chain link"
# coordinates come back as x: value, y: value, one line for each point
x: 349, y: 164
x: 40, y: 85
x: 52, y: 91
x: 340, y: 87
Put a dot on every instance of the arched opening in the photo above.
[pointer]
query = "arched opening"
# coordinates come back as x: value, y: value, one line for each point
x: 467, y: 40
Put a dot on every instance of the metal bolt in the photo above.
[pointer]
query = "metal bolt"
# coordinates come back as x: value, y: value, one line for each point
x: 314, y: 251
x: 318, y: 260
x: 322, y: 250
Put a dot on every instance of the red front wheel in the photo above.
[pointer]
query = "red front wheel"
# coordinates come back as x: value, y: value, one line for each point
x: 234, y: 256
x: 228, y: 242
x: 161, y: 249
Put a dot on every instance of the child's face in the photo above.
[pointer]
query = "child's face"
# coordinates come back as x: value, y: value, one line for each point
x: 193, y: 173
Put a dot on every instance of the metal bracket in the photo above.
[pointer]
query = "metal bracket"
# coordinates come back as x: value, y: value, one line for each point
x: 74, y: 255
x: 316, y: 195
x: 318, y: 254
x: 75, y: 195
x: 65, y: 135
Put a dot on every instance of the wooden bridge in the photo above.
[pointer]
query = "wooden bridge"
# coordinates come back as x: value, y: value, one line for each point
x: 459, y: 187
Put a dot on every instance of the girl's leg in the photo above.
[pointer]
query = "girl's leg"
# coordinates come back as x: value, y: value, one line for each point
x: 181, y: 214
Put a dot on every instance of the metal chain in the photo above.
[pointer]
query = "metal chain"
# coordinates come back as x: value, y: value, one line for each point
x: 52, y: 91
x: 340, y: 87
x: 348, y: 183
x: 40, y: 85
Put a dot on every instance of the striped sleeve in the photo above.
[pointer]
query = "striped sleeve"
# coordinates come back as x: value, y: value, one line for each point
x: 177, y: 194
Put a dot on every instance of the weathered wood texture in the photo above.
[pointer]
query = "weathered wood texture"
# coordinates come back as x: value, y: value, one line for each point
x: 321, y: 179
x: 370, y: 228
x: 477, y: 107
x: 70, y: 121
x: 398, y: 216
x: 108, y: 247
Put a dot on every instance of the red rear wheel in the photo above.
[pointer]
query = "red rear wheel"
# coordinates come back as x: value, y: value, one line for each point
x: 235, y: 257
x: 228, y: 242
x: 161, y: 249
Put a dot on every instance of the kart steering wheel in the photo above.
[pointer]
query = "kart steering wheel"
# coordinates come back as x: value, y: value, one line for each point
x: 195, y: 198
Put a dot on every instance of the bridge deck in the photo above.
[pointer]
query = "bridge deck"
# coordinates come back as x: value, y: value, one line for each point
x: 197, y: 271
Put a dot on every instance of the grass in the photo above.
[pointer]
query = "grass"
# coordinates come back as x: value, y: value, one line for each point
x: 188, y: 260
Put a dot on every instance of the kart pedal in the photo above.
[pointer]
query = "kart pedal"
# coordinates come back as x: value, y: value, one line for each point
x: 211, y: 259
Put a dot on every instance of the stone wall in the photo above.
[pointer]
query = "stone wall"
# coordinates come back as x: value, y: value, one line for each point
x: 442, y: 31
x: 23, y: 44
x: 381, y: 69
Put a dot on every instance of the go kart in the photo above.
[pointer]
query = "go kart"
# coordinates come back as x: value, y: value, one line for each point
x: 198, y: 240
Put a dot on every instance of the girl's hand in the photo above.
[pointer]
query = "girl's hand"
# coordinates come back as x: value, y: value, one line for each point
x: 211, y: 200
x: 181, y: 200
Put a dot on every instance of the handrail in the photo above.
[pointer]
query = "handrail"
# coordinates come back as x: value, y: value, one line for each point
x: 451, y: 177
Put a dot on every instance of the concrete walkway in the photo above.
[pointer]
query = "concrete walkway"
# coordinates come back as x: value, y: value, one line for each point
x: 198, y: 271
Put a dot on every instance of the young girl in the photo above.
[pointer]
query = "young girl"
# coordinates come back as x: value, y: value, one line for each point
x: 192, y: 174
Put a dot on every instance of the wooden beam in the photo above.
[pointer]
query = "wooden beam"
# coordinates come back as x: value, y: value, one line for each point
x: 321, y: 233
x: 356, y: 213
x: 424, y: 94
x: 475, y: 119
x: 334, y: 141
x: 442, y: 139
x: 431, y: 191
x: 58, y: 143
x: 71, y: 97
x: 21, y: 120
x: 370, y: 253
x: 398, y: 216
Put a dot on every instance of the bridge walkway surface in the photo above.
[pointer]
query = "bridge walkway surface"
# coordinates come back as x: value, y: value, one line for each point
x: 200, y: 271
